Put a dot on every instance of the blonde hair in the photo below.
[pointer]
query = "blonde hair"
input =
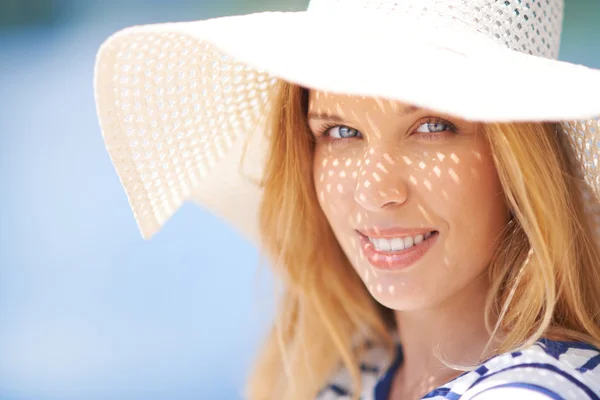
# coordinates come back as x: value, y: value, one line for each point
x: 544, y: 275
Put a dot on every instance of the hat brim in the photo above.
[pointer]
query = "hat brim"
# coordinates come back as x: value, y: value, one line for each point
x: 142, y: 69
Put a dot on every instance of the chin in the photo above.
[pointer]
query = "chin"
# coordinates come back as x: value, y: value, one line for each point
x: 401, y: 302
x: 400, y: 296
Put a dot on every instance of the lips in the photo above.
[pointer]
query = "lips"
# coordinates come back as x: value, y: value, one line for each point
x: 396, y: 250
x: 399, y: 243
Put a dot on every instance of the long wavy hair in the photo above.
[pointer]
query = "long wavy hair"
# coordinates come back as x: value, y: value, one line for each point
x: 544, y: 274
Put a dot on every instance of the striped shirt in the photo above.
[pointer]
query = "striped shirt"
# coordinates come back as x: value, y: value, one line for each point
x: 548, y: 370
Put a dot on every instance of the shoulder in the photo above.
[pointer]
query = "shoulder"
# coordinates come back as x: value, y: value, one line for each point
x: 374, y: 365
x: 547, y: 370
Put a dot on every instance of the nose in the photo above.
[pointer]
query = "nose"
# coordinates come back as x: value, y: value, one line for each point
x: 379, y: 183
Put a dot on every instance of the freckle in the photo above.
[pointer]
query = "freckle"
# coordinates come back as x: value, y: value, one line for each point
x: 362, y: 197
x: 379, y: 288
x: 376, y: 177
x: 440, y: 156
x: 437, y: 171
x: 391, y: 289
x: 454, y: 158
x: 422, y: 165
x: 348, y: 162
x: 453, y: 175
x: 335, y: 162
x: 387, y: 158
x: 340, y: 188
x: 381, y: 167
x: 413, y: 180
x: 427, y: 184
x: 406, y: 160
x: 367, y: 161
x: 328, y: 188
x: 321, y: 178
x: 367, y: 183
x: 342, y: 174
x: 354, y: 175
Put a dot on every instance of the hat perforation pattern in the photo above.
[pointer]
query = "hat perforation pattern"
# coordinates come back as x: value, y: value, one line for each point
x: 174, y: 140
x: 496, y: 19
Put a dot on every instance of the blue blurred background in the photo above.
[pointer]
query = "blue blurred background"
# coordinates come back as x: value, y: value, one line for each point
x: 88, y: 310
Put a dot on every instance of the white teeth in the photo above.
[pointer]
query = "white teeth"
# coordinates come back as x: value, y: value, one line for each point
x: 384, y: 245
x: 398, y: 243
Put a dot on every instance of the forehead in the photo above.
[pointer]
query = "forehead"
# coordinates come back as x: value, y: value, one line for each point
x: 321, y: 101
x: 351, y: 106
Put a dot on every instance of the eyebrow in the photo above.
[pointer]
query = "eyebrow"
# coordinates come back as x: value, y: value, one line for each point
x: 326, y: 116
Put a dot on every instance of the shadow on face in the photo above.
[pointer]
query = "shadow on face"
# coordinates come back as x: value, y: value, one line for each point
x: 412, y: 196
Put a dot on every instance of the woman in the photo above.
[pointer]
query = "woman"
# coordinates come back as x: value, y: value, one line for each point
x: 433, y: 228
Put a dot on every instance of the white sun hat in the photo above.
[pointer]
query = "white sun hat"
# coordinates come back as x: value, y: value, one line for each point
x: 182, y: 106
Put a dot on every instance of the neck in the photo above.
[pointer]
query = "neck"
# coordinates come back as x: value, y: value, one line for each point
x: 453, y: 331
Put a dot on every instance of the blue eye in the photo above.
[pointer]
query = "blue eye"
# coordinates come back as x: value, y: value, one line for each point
x: 435, y: 127
x: 342, y: 132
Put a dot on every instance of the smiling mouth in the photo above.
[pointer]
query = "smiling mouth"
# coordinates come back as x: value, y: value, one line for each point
x: 398, y: 244
x: 399, y: 252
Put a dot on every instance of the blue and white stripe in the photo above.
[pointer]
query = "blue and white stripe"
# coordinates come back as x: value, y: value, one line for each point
x: 548, y: 370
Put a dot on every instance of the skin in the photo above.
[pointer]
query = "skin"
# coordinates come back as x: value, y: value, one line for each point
x: 399, y: 166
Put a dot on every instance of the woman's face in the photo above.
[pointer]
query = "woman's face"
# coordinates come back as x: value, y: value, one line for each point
x: 412, y: 196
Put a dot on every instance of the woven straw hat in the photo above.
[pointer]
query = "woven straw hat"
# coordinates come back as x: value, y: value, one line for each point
x: 180, y: 103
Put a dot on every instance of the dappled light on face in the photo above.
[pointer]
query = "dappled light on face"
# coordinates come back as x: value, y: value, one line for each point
x: 373, y: 129
x: 382, y: 168
x: 453, y: 175
x: 427, y: 184
x: 382, y: 179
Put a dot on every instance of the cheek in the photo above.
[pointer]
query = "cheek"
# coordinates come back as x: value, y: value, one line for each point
x: 335, y: 177
x: 464, y: 190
